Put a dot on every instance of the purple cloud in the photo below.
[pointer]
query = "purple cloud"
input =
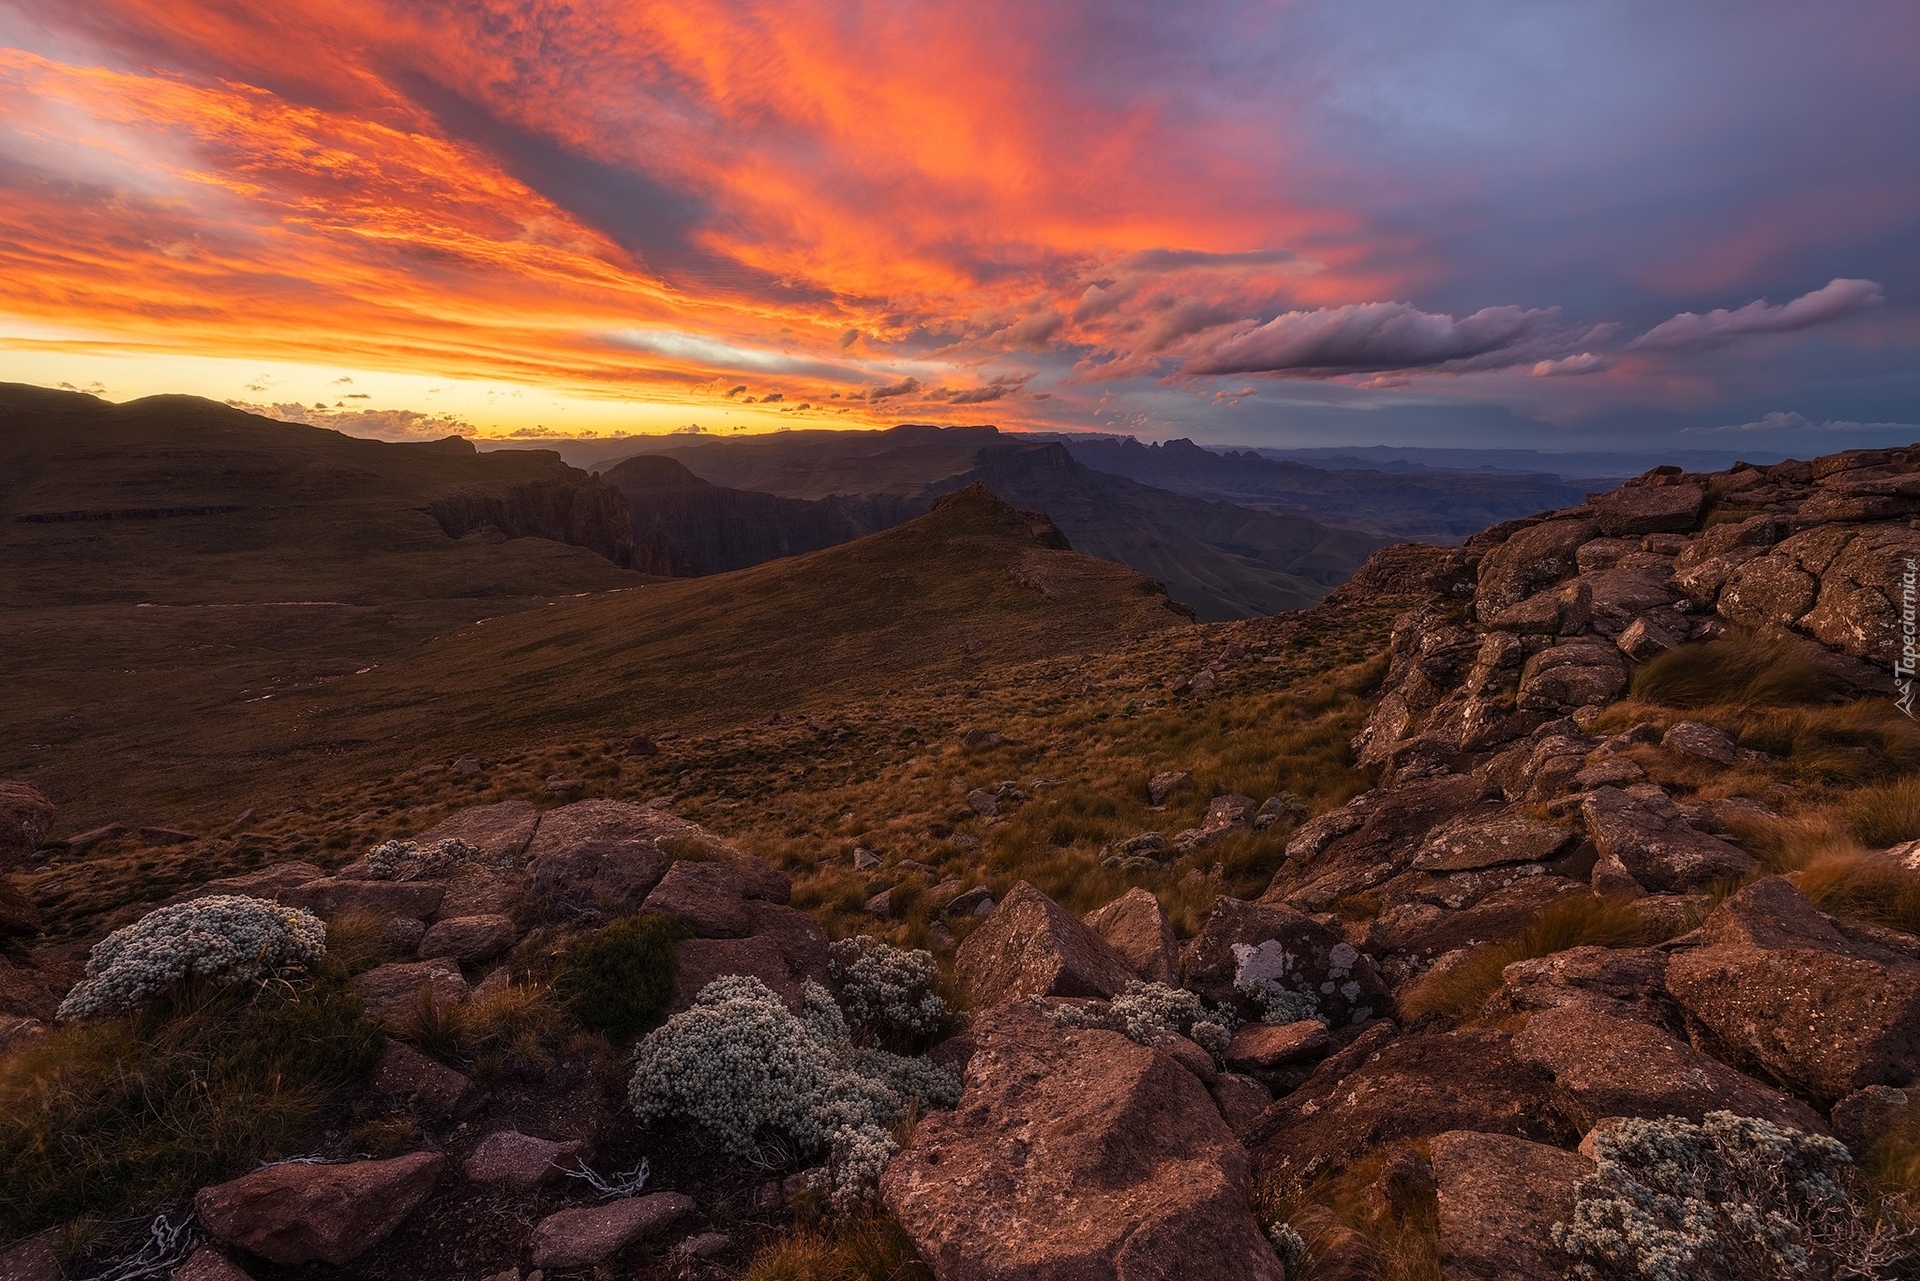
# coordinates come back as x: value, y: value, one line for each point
x: 1688, y: 331
x: 1373, y: 337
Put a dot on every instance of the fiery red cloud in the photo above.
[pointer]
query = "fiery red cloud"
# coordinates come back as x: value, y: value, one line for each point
x: 866, y: 208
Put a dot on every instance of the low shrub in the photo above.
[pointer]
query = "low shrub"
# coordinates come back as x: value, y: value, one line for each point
x: 889, y: 993
x: 120, y: 1111
x: 619, y: 980
x: 755, y: 1076
x: 1152, y: 1012
x: 410, y: 861
x: 219, y: 940
x: 1731, y: 1198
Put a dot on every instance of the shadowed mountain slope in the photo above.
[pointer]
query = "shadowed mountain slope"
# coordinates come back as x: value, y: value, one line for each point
x: 1409, y: 502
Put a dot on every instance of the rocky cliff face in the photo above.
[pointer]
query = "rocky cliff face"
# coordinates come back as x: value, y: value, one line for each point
x: 577, y: 509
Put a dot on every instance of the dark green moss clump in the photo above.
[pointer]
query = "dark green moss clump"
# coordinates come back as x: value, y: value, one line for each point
x: 618, y: 980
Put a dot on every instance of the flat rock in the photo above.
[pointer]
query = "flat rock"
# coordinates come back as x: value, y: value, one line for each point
x: 1648, y: 509
x: 583, y: 1237
x: 1030, y: 946
x: 393, y: 991
x: 425, y: 1086
x: 1498, y: 1199
x: 1776, y: 988
x: 1249, y: 947
x: 1263, y: 1045
x: 297, y: 1213
x: 1076, y: 1154
x: 1135, y: 926
x: 1604, y: 1066
x: 1644, y: 830
x: 1489, y: 842
x: 269, y: 882
x: 1702, y: 742
x: 705, y: 897
x: 469, y: 939
x: 503, y: 830
x: 520, y: 1162
x: 594, y: 860
x: 333, y: 897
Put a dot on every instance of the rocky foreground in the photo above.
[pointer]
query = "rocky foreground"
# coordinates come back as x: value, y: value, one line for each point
x: 1518, y: 775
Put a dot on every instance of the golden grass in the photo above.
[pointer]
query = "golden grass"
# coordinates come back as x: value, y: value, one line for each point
x: 111, y: 1113
x: 1742, y: 668
x: 868, y: 1247
x: 1397, y: 1221
x: 1462, y: 988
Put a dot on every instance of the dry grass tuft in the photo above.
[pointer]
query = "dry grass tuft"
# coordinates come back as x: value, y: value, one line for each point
x: 1742, y: 669
x: 1396, y: 1219
x: 1461, y: 989
x: 868, y: 1247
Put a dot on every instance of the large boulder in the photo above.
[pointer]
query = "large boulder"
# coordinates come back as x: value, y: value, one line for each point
x: 1030, y: 946
x: 784, y: 947
x: 1776, y: 987
x: 1858, y: 610
x: 1642, y: 829
x: 26, y: 816
x: 1371, y: 838
x: 1580, y: 673
x: 1075, y: 1156
x: 594, y: 860
x: 1506, y: 837
x: 334, y: 897
x: 298, y: 1213
x: 1135, y: 926
x: 1625, y: 982
x: 470, y: 939
x: 1402, y: 1090
x: 1768, y: 591
x: 1533, y: 558
x: 706, y: 897
x: 1498, y: 1198
x: 1648, y: 509
x: 583, y: 1237
x: 1605, y: 1066
x: 1248, y: 954
x: 503, y: 830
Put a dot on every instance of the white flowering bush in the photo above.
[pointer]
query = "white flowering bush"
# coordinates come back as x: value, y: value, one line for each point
x: 409, y: 861
x: 1732, y: 1198
x: 225, y: 938
x: 1152, y: 1012
x: 888, y: 992
x: 758, y: 1077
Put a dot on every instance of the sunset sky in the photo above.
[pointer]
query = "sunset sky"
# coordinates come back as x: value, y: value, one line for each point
x: 1360, y: 221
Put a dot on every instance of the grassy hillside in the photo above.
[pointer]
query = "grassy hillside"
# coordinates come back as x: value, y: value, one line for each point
x: 160, y: 719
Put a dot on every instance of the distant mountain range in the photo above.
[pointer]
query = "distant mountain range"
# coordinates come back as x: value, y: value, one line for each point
x: 780, y: 494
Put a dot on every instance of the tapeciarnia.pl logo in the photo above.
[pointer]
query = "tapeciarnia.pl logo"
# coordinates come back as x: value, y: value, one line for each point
x: 1903, y: 666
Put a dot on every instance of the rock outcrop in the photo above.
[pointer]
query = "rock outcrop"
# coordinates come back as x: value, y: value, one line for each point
x: 1030, y: 946
x: 1076, y: 1154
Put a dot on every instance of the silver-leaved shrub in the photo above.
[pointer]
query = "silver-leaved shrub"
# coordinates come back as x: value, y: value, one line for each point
x: 760, y: 1078
x: 1731, y: 1198
x: 410, y: 861
x: 1152, y: 1012
x: 888, y: 992
x: 222, y: 939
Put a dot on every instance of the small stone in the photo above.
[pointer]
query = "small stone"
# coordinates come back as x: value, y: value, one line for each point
x: 864, y: 859
x: 1240, y: 1098
x: 17, y: 1034
x: 981, y: 739
x: 977, y: 901
x: 297, y: 1213
x: 204, y: 1264
x: 1202, y: 682
x: 394, y: 990
x: 641, y: 745
x: 583, y: 1237
x: 559, y: 786
x: 466, y: 767
x: 1166, y: 783
x: 1702, y: 742
x: 1261, y: 1045
x: 521, y: 1162
x: 983, y: 803
x: 1644, y: 638
x: 413, y: 1080
x: 708, y: 1245
x: 880, y: 905
x: 1865, y: 1117
x: 401, y: 936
